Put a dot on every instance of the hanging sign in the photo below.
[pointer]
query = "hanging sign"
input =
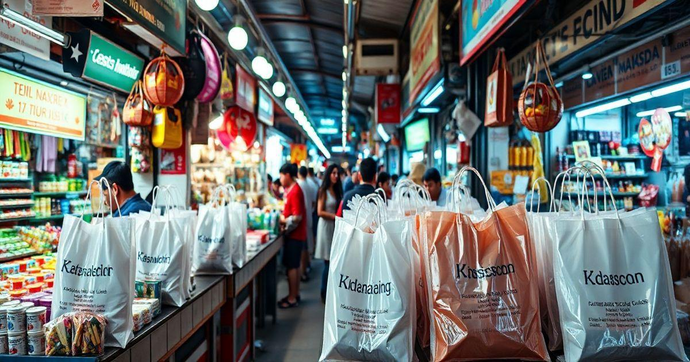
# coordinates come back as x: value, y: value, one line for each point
x: 21, y: 39
x: 424, y: 58
x: 174, y: 162
x: 265, y: 112
x: 157, y: 21
x: 238, y: 130
x: 655, y: 136
x: 36, y: 107
x: 245, y: 89
x: 298, y: 153
x: 89, y: 8
x: 479, y: 22
x: 581, y: 29
x: 93, y: 57
x: 388, y: 103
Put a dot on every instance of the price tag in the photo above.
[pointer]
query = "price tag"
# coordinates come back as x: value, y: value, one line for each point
x: 521, y: 184
x: 670, y: 70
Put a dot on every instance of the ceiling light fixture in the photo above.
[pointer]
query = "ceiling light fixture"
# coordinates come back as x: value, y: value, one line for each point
x: 681, y: 114
x: 328, y: 130
x: 671, y: 89
x: 641, y: 97
x: 433, y: 94
x: 207, y: 5
x: 345, y: 51
x: 344, y: 76
x: 237, y: 36
x: 278, y: 89
x: 291, y: 103
x: 602, y: 108
x: 385, y: 137
x: 651, y: 111
x: 429, y: 110
x: 327, y: 121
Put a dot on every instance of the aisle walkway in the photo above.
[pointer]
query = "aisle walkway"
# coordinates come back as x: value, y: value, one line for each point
x: 297, y: 334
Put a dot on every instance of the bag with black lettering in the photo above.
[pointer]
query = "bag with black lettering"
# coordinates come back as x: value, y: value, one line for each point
x: 483, y: 297
x: 614, y: 288
x: 162, y: 253
x: 95, y: 271
x: 370, y: 300
x: 213, y: 246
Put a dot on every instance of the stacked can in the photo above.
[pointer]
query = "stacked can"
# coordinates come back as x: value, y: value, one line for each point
x: 23, y: 320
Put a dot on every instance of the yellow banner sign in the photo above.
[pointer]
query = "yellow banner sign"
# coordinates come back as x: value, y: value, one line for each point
x: 583, y: 28
x: 36, y: 107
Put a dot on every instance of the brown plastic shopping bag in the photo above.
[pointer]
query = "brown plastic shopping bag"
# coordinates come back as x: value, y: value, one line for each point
x: 484, y: 301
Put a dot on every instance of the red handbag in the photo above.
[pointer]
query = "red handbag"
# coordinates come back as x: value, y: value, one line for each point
x: 499, y: 94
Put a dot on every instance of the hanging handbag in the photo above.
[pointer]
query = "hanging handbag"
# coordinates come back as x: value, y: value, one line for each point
x: 499, y: 94
x: 167, y: 128
x: 211, y: 86
x: 227, y: 91
x: 193, y: 67
x: 137, y: 110
x: 540, y: 106
x: 164, y: 82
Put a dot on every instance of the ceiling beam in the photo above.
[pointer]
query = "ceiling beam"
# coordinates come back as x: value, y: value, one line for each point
x: 304, y: 20
x: 317, y: 72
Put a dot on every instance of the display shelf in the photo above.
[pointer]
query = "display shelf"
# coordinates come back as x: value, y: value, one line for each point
x: 60, y: 193
x: 601, y: 193
x: 57, y: 217
x: 17, y: 206
x: 616, y: 157
x: 623, y: 176
x: 23, y: 194
x: 15, y: 257
x: 14, y: 179
x: 25, y: 218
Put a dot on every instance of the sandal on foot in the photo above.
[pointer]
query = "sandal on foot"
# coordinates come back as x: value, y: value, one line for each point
x: 285, y: 304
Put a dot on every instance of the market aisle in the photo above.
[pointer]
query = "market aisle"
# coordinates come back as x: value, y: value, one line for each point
x: 297, y: 334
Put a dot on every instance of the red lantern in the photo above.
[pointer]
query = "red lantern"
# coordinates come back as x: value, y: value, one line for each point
x: 540, y: 106
x: 137, y: 110
x: 163, y: 81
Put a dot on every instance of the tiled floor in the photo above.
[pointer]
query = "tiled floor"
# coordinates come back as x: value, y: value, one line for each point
x: 298, y: 332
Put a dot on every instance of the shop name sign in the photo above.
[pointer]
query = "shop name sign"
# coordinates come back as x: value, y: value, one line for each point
x: 582, y: 29
x: 35, y: 107
x: 479, y: 22
x: 93, y: 57
x: 424, y: 59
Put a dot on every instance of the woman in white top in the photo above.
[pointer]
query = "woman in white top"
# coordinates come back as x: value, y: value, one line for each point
x: 329, y: 197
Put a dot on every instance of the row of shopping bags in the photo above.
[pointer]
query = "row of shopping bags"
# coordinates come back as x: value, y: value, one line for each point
x: 99, y: 261
x: 473, y: 285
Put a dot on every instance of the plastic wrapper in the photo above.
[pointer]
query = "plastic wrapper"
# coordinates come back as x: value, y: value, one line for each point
x: 59, y: 336
x: 89, y: 334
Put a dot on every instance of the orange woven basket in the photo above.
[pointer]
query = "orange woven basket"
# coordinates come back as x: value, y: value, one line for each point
x: 540, y: 106
x: 163, y: 81
x: 137, y: 111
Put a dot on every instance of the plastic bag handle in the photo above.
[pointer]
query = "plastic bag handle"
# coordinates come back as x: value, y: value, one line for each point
x: 489, y: 200
x: 549, y: 189
x: 102, y: 182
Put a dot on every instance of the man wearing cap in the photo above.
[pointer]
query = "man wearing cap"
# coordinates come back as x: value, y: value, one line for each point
x: 119, y: 177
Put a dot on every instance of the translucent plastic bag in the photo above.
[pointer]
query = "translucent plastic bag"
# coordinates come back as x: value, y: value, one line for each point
x: 484, y: 303
x: 370, y: 305
x: 213, y: 247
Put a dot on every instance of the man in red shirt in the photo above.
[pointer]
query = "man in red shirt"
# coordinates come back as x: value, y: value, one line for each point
x: 294, y: 222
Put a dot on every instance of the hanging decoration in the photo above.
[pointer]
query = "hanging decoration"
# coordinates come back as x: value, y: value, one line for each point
x: 193, y: 67
x: 655, y: 136
x: 163, y: 81
x: 540, y: 106
x: 499, y: 94
x: 238, y: 130
x: 213, y: 72
x: 137, y: 111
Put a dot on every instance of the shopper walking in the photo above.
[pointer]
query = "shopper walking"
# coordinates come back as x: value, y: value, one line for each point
x: 432, y: 183
x: 294, y: 225
x: 351, y: 180
x: 330, y: 195
x: 310, y: 203
x: 383, y: 181
x: 367, y: 170
x: 119, y: 176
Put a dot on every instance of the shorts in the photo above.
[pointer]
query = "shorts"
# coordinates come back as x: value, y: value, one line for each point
x: 292, y: 253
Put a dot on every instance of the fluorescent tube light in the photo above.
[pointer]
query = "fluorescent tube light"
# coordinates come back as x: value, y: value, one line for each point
x: 327, y: 122
x: 641, y: 97
x: 31, y: 25
x: 433, y: 94
x: 602, y: 108
x: 341, y: 149
x: 559, y: 84
x: 680, y: 114
x: 651, y: 111
x: 328, y: 130
x: 429, y: 110
x: 671, y: 89
x: 385, y: 137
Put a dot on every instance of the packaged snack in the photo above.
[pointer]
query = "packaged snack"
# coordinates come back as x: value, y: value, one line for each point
x: 148, y: 288
x: 36, y: 343
x: 35, y: 318
x: 153, y: 304
x: 58, y: 334
x: 89, y: 334
x: 16, y: 343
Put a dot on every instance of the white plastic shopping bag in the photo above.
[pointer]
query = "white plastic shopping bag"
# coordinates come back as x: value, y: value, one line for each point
x: 95, y: 272
x: 162, y: 254
x: 614, y: 289
x: 370, y: 305
x: 213, y: 247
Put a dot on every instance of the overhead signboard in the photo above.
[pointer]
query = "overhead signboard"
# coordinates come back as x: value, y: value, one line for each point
x: 603, y: 81
x: 90, y: 8
x: 388, y: 103
x: 581, y: 29
x: 21, y: 39
x: 93, y: 57
x: 245, y: 89
x: 480, y: 20
x: 265, y: 111
x: 425, y: 60
x: 156, y: 21
x: 32, y: 106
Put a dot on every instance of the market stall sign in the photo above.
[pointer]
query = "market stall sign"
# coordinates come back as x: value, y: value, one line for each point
x: 36, y: 107
x: 93, y: 57
x: 424, y: 59
x: 571, y: 93
x: 245, y: 89
x: 174, y: 162
x: 156, y: 21
x: 89, y: 8
x: 238, y: 130
x: 480, y: 20
x: 265, y: 112
x: 639, y: 66
x: 21, y: 39
x: 603, y: 81
x: 582, y: 29
x: 298, y: 153
x: 388, y: 103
